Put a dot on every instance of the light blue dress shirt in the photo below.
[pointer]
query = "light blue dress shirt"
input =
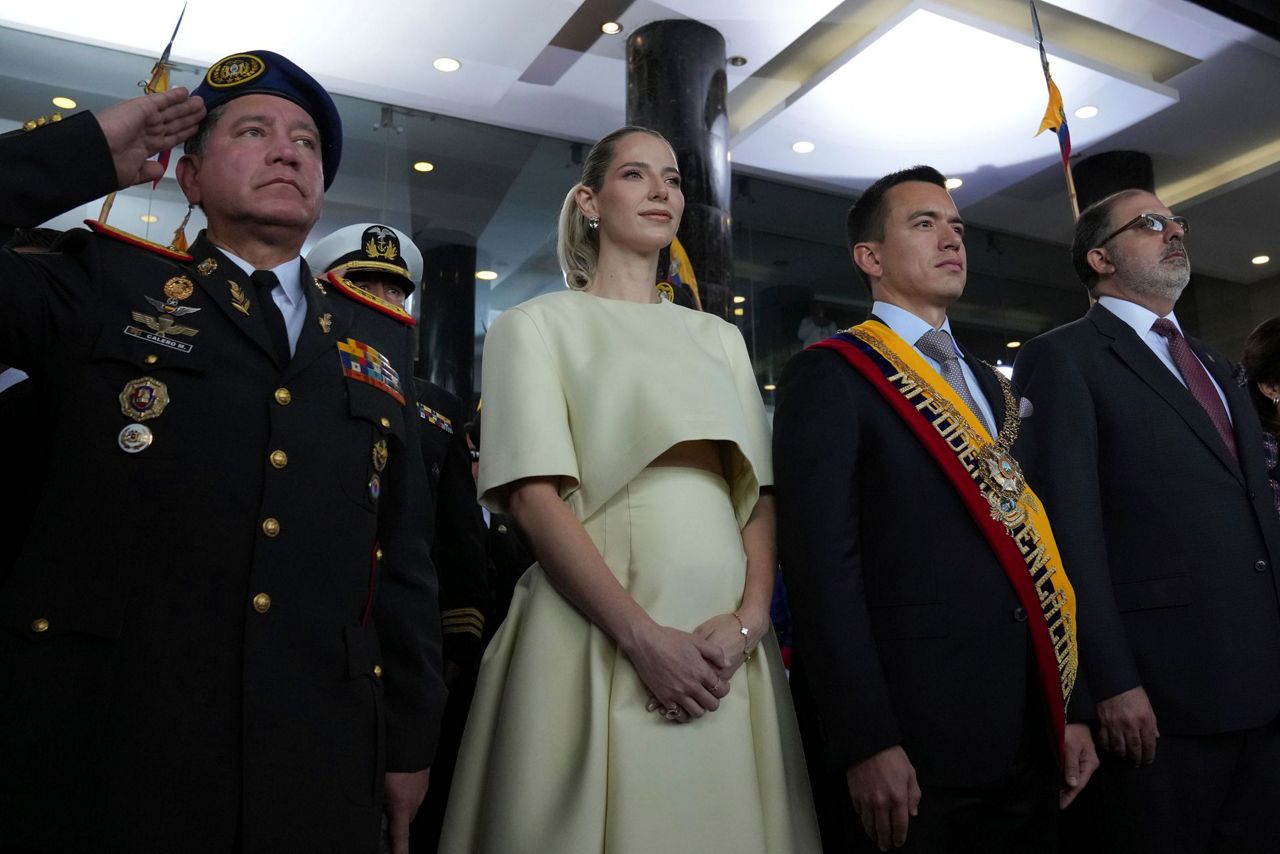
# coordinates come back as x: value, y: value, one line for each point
x: 909, y: 328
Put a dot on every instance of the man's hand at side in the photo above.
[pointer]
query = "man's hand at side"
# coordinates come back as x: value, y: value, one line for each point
x: 1081, y: 762
x: 1129, y: 726
x: 885, y: 795
x: 405, y: 792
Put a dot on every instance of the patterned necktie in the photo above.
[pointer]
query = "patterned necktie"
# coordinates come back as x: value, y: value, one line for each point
x: 1197, y: 379
x: 265, y: 281
x: 937, y: 345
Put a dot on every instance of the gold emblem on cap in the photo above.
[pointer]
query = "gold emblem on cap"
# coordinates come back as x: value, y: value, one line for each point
x: 235, y: 70
x: 206, y: 267
x: 382, y: 243
x: 239, y: 301
x: 179, y: 288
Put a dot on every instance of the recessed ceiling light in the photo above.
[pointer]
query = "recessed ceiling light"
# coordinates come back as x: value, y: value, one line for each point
x: 611, y: 28
x: 64, y: 103
x: 739, y: 300
x: 737, y: 61
x: 423, y: 166
x: 1087, y: 112
x: 802, y: 147
x: 1013, y: 345
x: 1261, y: 259
x: 737, y: 312
x: 728, y: 155
x: 954, y: 183
x: 486, y: 275
x: 770, y: 386
x: 149, y: 218
x: 446, y: 64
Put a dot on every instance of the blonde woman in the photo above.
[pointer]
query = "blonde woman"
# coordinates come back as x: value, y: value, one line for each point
x: 634, y: 698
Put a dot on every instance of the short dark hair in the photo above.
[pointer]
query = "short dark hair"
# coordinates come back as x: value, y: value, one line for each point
x: 866, y: 217
x: 1260, y: 362
x: 1093, y: 222
x: 198, y: 141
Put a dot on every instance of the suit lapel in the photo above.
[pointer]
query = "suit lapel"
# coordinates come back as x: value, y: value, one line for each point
x: 231, y: 290
x: 1135, y: 353
x: 989, y: 386
x: 314, y: 340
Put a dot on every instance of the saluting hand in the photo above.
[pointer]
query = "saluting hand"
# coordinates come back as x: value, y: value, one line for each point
x: 143, y: 127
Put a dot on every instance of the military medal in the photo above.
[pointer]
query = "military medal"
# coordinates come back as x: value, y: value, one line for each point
x: 239, y: 301
x: 206, y: 267
x: 375, y: 487
x: 380, y: 455
x: 326, y: 321
x: 178, y: 288
x: 135, y: 438
x: 143, y: 399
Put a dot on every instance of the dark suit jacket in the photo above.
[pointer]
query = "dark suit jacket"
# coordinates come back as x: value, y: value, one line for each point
x: 1170, y: 542
x: 146, y: 679
x: 458, y: 551
x: 907, y: 630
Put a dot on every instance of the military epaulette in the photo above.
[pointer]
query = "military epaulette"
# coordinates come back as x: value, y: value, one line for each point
x: 133, y: 240
x: 390, y: 309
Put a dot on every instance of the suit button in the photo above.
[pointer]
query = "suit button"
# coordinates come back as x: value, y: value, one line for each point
x: 279, y: 459
x: 1020, y: 614
x: 435, y: 470
x: 502, y: 529
x: 262, y: 603
x: 377, y: 671
x: 385, y: 422
x: 40, y: 625
x: 270, y: 526
x: 151, y: 358
x: 1260, y: 566
x: 283, y: 396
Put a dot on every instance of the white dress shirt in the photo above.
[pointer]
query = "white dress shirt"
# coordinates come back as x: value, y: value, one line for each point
x: 290, y: 297
x: 1141, y: 319
x: 909, y: 328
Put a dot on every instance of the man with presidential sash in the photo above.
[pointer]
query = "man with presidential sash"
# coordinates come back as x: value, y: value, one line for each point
x: 935, y: 668
x: 1149, y: 458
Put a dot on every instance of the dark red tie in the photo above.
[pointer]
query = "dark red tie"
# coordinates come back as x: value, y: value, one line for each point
x: 1197, y: 379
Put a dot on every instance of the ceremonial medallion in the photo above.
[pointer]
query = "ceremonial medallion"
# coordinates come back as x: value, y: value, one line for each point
x: 135, y: 438
x: 206, y: 267
x: 380, y: 455
x: 144, y: 398
x: 178, y: 288
x: 666, y: 292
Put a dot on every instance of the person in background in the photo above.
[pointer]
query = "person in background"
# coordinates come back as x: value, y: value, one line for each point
x: 1259, y: 374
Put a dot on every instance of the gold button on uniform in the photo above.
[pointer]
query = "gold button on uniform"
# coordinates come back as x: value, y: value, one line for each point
x: 40, y: 625
x: 378, y: 553
x: 270, y: 526
x: 279, y: 459
x: 377, y: 671
x: 151, y: 358
x: 283, y: 396
x: 385, y: 421
x: 262, y: 603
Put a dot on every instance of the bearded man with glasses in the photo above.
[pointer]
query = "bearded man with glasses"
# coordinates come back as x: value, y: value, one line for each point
x: 1149, y: 460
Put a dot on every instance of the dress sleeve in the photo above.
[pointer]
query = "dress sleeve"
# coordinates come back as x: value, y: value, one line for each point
x: 524, y: 418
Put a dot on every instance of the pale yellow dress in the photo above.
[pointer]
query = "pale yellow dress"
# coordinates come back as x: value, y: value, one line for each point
x: 559, y: 753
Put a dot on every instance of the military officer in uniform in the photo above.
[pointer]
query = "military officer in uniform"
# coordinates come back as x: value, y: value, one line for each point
x: 385, y: 262
x: 222, y: 631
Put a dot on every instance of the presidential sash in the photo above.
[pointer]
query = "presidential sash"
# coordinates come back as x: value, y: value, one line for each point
x: 990, y: 485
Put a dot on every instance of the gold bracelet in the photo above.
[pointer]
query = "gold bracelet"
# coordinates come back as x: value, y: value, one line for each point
x: 742, y: 630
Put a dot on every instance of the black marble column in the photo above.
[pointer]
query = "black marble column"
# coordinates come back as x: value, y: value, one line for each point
x: 676, y: 85
x: 447, y: 317
x: 1100, y: 175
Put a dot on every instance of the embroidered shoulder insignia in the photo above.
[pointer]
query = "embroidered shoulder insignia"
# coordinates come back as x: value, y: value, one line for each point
x: 365, y: 298
x: 133, y: 240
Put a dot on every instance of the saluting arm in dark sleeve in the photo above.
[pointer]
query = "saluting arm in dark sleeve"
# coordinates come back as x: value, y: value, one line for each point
x: 816, y: 451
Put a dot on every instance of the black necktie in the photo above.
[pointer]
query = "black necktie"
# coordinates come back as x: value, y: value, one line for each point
x: 265, y: 281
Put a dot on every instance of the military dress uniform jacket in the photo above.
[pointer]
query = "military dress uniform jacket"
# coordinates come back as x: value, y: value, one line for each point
x: 199, y: 643
x: 459, y: 548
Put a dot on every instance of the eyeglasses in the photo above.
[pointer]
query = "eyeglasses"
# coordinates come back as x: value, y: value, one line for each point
x: 1149, y: 222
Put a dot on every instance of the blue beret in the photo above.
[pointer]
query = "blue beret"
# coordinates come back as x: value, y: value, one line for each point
x: 261, y: 72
